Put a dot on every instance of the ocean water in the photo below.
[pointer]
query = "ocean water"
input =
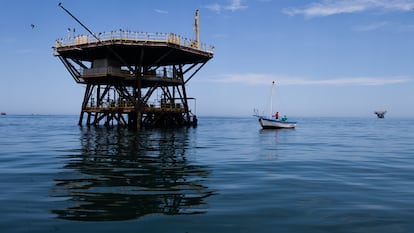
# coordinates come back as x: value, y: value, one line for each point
x: 226, y: 175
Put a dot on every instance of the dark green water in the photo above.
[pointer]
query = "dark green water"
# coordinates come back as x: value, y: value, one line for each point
x: 227, y: 175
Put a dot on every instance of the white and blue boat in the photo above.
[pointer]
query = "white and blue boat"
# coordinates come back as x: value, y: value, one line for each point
x: 269, y: 123
x: 273, y: 122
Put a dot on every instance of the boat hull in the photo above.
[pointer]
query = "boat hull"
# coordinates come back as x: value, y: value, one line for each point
x: 276, y: 124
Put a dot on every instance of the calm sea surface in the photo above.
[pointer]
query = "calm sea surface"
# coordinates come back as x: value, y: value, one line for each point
x: 226, y: 175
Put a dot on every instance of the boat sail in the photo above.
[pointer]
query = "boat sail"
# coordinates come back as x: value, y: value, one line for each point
x: 275, y: 123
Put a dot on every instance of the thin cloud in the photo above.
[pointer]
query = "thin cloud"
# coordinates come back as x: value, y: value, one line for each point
x: 159, y: 11
x: 218, y: 36
x: 214, y: 7
x: 247, y: 79
x: 234, y: 5
x: 25, y: 51
x: 265, y: 79
x: 406, y: 28
x: 359, y: 81
x: 328, y: 7
x: 371, y: 27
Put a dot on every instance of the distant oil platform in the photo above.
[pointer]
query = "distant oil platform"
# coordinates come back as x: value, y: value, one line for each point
x: 380, y: 114
x: 135, y: 79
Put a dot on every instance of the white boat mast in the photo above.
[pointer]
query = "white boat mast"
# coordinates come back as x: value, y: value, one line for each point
x: 271, y: 98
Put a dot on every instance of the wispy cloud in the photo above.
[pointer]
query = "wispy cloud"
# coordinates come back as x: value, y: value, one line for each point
x: 218, y: 36
x: 233, y: 5
x: 236, y: 5
x: 330, y: 7
x: 371, y: 27
x: 266, y: 79
x: 25, y: 51
x: 408, y: 27
x: 357, y: 81
x: 214, y: 7
x: 159, y: 11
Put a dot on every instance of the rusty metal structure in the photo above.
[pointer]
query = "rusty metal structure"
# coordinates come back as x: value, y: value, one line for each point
x: 134, y: 79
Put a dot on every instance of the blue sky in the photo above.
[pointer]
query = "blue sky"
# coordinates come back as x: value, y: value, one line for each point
x: 328, y: 58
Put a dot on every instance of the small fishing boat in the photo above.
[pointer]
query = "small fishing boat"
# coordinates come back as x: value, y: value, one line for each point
x: 380, y: 114
x: 268, y: 123
x: 274, y: 122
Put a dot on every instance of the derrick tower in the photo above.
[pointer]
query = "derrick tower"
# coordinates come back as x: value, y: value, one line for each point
x: 132, y: 78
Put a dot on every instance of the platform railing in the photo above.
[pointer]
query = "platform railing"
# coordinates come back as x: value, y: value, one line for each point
x: 133, y: 36
x: 127, y: 106
x: 116, y: 71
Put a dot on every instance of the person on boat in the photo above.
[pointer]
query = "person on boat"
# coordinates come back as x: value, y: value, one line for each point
x: 284, y: 118
x: 277, y: 115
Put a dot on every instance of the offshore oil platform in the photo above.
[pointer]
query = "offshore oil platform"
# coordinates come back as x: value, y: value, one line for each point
x: 134, y: 79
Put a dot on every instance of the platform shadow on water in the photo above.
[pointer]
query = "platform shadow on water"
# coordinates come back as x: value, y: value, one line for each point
x: 122, y: 174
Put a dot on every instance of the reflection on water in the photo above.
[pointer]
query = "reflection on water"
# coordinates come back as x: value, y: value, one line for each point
x: 122, y: 174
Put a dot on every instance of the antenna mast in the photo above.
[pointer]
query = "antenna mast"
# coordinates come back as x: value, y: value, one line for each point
x: 97, y: 38
x: 197, y: 29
